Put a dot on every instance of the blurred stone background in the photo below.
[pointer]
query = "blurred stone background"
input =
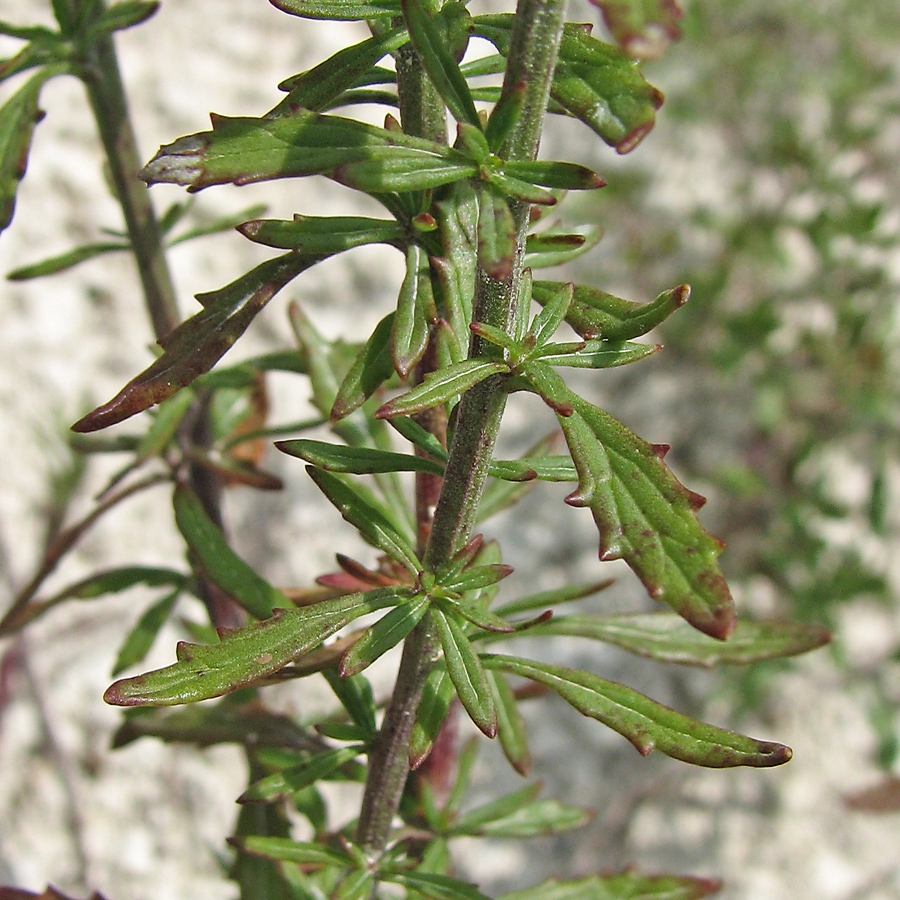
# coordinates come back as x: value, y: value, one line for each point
x: 770, y: 184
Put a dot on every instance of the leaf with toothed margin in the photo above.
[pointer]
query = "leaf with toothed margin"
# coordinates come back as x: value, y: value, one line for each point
x: 595, y: 314
x: 302, y: 143
x: 415, y: 312
x: 643, y: 513
x: 648, y: 725
x: 466, y: 672
x: 246, y: 655
x: 593, y: 81
x: 643, y: 28
x: 628, y: 885
x: 196, y: 345
x: 444, y: 386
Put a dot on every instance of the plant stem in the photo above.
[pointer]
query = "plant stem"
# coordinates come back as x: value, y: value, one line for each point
x: 532, y: 59
x: 107, y: 97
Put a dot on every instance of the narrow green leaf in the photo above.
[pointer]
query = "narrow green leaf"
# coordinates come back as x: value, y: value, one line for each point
x: 356, y: 697
x: 210, y: 724
x: 477, y: 577
x: 596, y: 314
x: 248, y: 654
x: 302, y: 143
x: 357, y: 884
x: 18, y: 116
x: 643, y: 513
x: 169, y: 416
x: 668, y: 638
x: 346, y: 69
x: 124, y: 15
x: 628, y: 885
x: 434, y: 706
x: 444, y: 386
x: 523, y: 190
x: 560, y: 175
x: 313, y: 770
x: 113, y: 581
x: 549, y: 599
x: 217, y: 225
x: 534, y: 819
x: 439, y: 62
x: 371, y: 368
x: 65, y: 260
x: 304, y: 854
x: 196, y: 345
x: 596, y: 354
x: 415, y: 313
x: 505, y: 116
x: 496, y: 233
x: 466, y: 673
x: 548, y: 320
x: 436, y: 887
x: 472, y: 821
x: 477, y: 615
x: 339, y: 10
x: 510, y: 724
x: 360, y: 508
x: 219, y: 562
x: 646, y: 724
x: 140, y: 639
x: 311, y: 234
x: 552, y: 248
x: 385, y: 634
x: 357, y: 460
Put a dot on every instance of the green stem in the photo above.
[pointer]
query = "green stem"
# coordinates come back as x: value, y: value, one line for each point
x: 107, y: 97
x: 532, y: 59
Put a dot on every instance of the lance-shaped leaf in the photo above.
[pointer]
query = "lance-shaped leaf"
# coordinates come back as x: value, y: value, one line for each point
x: 505, y: 116
x: 360, y: 508
x: 439, y: 62
x: 66, y: 260
x: 18, y: 117
x: 385, y: 634
x: 219, y: 562
x: 435, y: 887
x: 339, y: 10
x: 346, y: 69
x: 217, y: 723
x: 547, y: 321
x: 560, y: 175
x: 140, y: 639
x: 628, y: 885
x: 437, y: 695
x: 466, y: 672
x: 643, y: 28
x: 496, y: 233
x: 596, y: 354
x: 668, y: 638
x: 415, y: 312
x: 444, y: 386
x: 477, y: 577
x: 304, y: 854
x: 371, y: 368
x: 596, y: 314
x: 112, y: 581
x: 122, y: 15
x: 510, y: 724
x: 356, y: 697
x: 549, y: 599
x: 551, y: 248
x: 245, y: 150
x: 526, y: 818
x: 282, y: 784
x: 248, y: 654
x: 196, y: 345
x: 315, y: 234
x: 648, y: 725
x: 643, y: 513
x: 357, y: 884
x: 357, y: 460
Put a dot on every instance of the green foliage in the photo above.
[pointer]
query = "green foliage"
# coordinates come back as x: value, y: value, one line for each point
x: 440, y: 369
